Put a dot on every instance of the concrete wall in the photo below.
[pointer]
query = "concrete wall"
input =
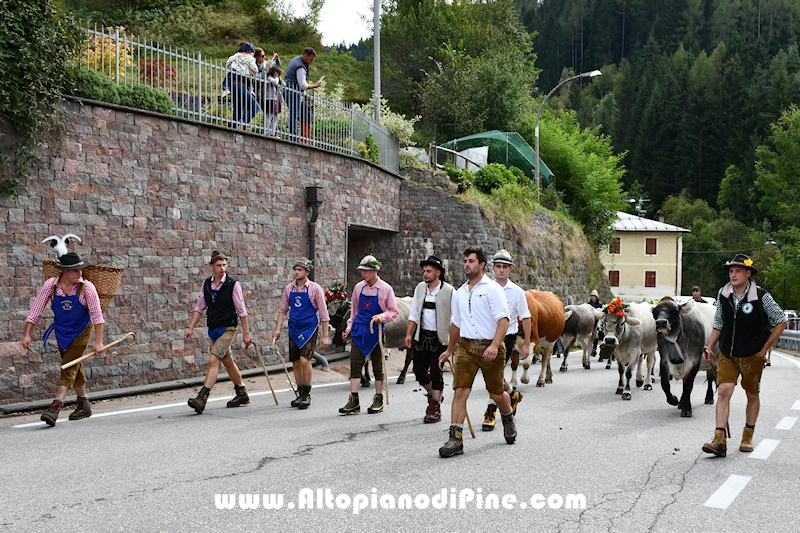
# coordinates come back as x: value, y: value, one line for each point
x: 157, y: 194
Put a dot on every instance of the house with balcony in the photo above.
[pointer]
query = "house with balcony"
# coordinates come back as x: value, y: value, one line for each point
x: 643, y: 262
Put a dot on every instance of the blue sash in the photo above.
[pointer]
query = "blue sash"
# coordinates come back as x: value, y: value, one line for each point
x: 364, y: 340
x: 70, y: 319
x: 303, y: 321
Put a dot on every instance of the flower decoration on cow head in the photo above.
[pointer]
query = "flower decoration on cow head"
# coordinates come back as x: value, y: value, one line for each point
x: 337, y: 291
x: 616, y: 307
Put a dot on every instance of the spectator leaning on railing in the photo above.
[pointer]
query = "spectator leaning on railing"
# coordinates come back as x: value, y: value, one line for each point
x: 242, y: 67
x: 297, y: 81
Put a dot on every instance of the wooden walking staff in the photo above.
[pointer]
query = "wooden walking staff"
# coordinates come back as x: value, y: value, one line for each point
x: 466, y: 411
x: 274, y: 349
x: 269, y: 382
x: 385, y: 362
x: 109, y: 345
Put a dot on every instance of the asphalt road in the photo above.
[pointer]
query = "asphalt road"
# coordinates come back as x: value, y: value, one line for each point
x: 153, y: 465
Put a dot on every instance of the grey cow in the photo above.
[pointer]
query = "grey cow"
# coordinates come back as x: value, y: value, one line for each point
x: 579, y: 327
x: 632, y: 334
x: 683, y: 330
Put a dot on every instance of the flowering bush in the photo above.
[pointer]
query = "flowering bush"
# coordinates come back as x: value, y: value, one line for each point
x: 157, y: 72
x: 100, y: 53
x: 337, y: 291
x: 616, y: 307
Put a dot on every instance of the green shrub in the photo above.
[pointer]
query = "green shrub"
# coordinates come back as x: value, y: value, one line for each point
x: 493, y: 176
x: 145, y: 97
x: 458, y: 175
x: 94, y: 85
x: 370, y: 150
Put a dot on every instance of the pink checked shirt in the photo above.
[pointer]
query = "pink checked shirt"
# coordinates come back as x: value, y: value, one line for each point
x: 238, y: 297
x: 385, y: 299
x: 315, y: 294
x: 89, y: 299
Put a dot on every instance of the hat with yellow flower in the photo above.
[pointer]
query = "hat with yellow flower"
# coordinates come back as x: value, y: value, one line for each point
x: 742, y: 261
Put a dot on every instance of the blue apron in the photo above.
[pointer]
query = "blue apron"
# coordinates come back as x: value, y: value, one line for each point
x: 303, y: 322
x: 71, y: 319
x: 362, y: 338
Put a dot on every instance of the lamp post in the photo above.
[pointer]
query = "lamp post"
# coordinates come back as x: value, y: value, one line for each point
x: 771, y: 242
x: 591, y: 74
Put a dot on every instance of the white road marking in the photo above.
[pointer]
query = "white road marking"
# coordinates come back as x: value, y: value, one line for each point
x: 796, y: 405
x: 787, y: 422
x: 789, y: 358
x: 763, y: 450
x: 728, y: 492
x: 179, y: 404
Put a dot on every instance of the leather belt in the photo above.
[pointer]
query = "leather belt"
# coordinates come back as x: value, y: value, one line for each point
x: 476, y: 342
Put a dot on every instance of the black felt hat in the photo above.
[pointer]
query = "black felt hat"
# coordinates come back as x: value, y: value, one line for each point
x: 71, y: 261
x: 433, y: 261
x: 742, y: 261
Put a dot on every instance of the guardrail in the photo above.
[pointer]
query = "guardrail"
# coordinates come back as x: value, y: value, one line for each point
x: 195, y: 85
x: 790, y: 338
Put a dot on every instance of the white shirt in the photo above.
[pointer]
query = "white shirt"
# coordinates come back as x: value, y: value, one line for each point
x: 476, y: 312
x: 517, y: 306
x: 428, y: 315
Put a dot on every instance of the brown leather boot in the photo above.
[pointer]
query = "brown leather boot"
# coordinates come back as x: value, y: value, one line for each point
x: 718, y: 446
x: 50, y: 416
x: 199, y: 403
x: 82, y: 410
x: 747, y: 440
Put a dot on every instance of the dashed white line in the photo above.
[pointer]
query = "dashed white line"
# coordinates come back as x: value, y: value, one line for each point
x: 728, y: 492
x: 796, y: 406
x: 763, y: 450
x: 787, y: 422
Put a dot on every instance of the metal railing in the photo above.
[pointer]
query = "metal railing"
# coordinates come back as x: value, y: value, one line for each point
x: 195, y: 85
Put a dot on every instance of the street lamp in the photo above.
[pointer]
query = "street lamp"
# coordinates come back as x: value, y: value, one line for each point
x: 591, y: 74
x: 771, y: 242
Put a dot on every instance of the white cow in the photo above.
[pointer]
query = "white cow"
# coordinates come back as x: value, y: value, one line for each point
x: 579, y: 327
x: 633, y: 334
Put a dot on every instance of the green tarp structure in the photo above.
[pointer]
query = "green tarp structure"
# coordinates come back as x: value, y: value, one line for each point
x: 507, y: 148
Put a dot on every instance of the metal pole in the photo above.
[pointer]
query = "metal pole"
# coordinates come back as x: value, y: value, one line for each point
x: 116, y: 58
x: 376, y: 41
x: 591, y: 74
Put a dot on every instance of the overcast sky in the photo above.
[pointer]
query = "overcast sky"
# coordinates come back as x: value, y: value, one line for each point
x: 339, y: 20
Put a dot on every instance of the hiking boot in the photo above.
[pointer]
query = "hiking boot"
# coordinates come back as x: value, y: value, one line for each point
x: 377, y: 404
x: 82, y: 410
x: 50, y: 416
x: 454, y: 445
x: 199, y: 403
x: 509, y: 428
x: 305, y: 397
x: 241, y: 397
x: 353, y: 406
x: 516, y: 397
x: 298, y: 398
x: 434, y: 411
x: 490, y: 417
x: 718, y: 446
x: 747, y: 440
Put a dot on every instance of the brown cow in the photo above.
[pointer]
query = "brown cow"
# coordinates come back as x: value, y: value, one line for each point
x: 547, y: 323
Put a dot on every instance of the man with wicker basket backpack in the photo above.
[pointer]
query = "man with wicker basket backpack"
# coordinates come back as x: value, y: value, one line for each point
x: 76, y: 311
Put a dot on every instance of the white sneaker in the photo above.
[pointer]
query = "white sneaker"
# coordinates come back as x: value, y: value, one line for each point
x: 225, y: 93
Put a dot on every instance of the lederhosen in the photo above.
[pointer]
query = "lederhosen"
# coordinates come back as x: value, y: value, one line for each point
x: 426, y: 354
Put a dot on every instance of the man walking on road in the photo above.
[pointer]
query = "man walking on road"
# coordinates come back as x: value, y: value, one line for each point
x: 478, y: 326
x: 76, y: 308
x: 746, y: 324
x: 502, y: 264
x: 303, y: 300
x: 428, y: 332
x: 373, y: 301
x: 222, y: 296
